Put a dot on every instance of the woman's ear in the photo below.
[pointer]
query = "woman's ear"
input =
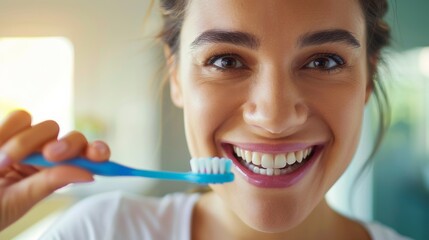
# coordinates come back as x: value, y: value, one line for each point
x: 174, y: 81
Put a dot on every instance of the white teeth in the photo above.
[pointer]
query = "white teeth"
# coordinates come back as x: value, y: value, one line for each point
x: 269, y: 164
x: 280, y: 161
x: 256, y: 169
x: 267, y: 161
x: 248, y: 156
x: 290, y: 158
x: 256, y: 158
x: 299, y: 156
x: 238, y: 151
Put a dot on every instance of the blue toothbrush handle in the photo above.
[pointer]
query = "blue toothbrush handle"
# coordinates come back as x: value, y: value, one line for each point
x: 107, y: 168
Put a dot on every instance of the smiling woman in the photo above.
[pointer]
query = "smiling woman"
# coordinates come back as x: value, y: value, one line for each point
x: 299, y: 85
x: 279, y: 87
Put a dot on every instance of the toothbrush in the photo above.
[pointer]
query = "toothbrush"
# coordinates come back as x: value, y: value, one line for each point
x: 204, y: 170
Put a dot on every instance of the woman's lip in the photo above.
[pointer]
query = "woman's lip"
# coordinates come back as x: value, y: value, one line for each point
x: 271, y: 148
x: 279, y: 181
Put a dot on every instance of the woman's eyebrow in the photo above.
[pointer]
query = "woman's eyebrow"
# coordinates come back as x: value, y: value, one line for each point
x: 328, y: 36
x: 251, y: 41
x: 221, y: 36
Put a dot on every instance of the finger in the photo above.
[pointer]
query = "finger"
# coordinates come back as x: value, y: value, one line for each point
x: 13, y: 124
x: 4, y: 182
x: 17, y: 169
x: 26, y: 142
x: 24, y: 170
x: 14, y: 176
x: 71, y: 145
x: 23, y: 195
x: 98, y: 151
x: 43, y: 183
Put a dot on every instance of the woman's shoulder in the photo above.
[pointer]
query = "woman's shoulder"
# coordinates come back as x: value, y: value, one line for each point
x: 379, y: 231
x: 120, y: 215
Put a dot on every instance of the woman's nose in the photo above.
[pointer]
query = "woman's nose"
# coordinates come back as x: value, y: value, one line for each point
x: 275, y: 106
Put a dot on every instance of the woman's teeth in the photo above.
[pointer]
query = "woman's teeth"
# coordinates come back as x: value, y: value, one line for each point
x: 271, y: 164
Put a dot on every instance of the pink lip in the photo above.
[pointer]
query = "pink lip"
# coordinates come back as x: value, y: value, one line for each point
x: 280, y: 181
x: 269, y: 148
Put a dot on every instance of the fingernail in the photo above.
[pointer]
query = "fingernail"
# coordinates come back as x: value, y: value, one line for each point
x: 101, y: 148
x: 88, y: 180
x: 58, y: 148
x: 81, y: 181
x: 4, y: 160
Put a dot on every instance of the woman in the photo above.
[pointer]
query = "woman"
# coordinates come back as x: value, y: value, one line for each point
x: 279, y: 87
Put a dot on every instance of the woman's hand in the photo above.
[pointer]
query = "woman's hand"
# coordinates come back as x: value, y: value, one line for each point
x: 22, y: 186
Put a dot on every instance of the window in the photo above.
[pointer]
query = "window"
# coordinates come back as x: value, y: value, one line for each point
x: 33, y: 72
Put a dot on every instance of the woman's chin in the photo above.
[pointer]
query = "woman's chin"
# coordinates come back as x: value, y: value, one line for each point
x: 268, y: 213
x: 267, y: 218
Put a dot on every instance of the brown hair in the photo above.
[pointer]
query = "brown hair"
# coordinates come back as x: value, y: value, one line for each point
x: 377, y: 37
x: 173, y: 13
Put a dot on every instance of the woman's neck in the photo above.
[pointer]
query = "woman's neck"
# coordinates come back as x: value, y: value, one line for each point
x: 212, y: 220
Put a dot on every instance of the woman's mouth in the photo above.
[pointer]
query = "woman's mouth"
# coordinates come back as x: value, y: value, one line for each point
x: 273, y: 166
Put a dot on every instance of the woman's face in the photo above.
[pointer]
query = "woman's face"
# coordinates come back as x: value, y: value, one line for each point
x: 280, y: 88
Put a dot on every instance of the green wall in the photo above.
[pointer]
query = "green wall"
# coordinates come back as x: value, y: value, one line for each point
x: 409, y: 21
x: 400, y: 199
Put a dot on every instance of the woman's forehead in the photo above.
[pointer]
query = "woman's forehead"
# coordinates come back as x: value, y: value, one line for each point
x: 288, y: 18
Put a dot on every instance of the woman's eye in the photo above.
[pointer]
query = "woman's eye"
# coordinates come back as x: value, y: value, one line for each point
x: 226, y: 62
x: 326, y: 62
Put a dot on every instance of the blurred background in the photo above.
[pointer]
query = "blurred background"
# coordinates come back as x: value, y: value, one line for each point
x: 95, y: 66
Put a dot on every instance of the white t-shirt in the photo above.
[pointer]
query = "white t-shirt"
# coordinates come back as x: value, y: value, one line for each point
x: 119, y: 215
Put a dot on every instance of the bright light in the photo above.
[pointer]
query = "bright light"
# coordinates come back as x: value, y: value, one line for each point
x: 424, y: 61
x: 36, y: 74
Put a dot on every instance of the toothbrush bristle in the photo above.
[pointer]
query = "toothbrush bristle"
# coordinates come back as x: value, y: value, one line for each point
x: 194, y: 165
x: 209, y: 165
x: 215, y: 165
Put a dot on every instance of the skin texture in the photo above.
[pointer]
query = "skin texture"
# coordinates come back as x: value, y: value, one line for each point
x: 22, y: 186
x: 271, y: 95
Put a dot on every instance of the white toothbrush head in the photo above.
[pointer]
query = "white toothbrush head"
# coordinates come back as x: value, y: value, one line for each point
x: 211, y: 165
x: 212, y: 169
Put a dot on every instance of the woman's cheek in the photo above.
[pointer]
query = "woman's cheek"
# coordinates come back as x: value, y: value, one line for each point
x: 211, y: 100
x: 344, y: 117
x: 207, y: 107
